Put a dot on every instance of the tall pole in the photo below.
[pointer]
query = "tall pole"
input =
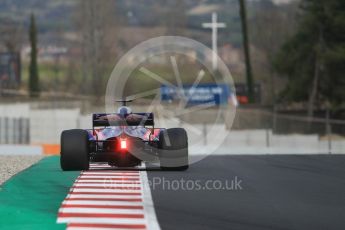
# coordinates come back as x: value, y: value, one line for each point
x: 214, y: 42
x: 328, y: 128
x: 249, y: 75
x: 214, y: 25
x: 34, y: 87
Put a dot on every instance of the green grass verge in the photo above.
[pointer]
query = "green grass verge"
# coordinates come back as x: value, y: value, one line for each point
x: 31, y: 199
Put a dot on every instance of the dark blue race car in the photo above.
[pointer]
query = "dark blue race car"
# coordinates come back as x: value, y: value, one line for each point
x: 124, y: 139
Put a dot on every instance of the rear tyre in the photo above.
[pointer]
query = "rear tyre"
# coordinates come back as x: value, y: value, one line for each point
x: 74, y: 150
x: 173, y: 149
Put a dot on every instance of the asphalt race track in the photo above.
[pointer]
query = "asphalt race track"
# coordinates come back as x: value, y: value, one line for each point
x: 278, y: 192
x: 272, y: 192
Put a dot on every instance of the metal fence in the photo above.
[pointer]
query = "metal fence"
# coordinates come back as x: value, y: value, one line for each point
x: 14, y: 130
x: 274, y: 132
x: 252, y: 131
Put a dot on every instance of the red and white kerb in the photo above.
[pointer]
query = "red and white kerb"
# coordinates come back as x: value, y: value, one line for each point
x: 109, y: 199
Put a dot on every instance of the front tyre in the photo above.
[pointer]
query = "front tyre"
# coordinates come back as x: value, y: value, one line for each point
x: 173, y: 149
x: 74, y: 150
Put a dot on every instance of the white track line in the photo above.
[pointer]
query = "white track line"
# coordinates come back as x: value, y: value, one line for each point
x: 151, y: 218
x: 101, y: 190
x: 101, y: 210
x: 102, y: 228
x: 100, y: 166
x: 107, y: 172
x: 103, y: 196
x: 100, y: 202
x: 106, y: 185
x: 109, y: 181
x: 109, y: 177
x: 110, y: 174
x: 109, y: 199
x: 98, y: 220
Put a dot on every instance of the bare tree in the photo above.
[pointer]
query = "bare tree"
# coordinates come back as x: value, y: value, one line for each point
x: 245, y: 36
x: 318, y: 70
x: 11, y: 35
x: 271, y: 27
x: 96, y: 22
x: 175, y: 17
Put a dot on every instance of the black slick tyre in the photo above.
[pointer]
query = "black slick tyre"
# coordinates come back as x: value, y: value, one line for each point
x: 74, y: 150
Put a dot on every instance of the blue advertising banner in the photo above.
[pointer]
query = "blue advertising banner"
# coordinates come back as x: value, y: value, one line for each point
x: 219, y: 94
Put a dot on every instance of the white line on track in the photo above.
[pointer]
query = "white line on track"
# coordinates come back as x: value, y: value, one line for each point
x: 108, y: 181
x: 103, y: 196
x: 98, y: 220
x: 102, y: 228
x: 103, y: 190
x: 111, y: 179
x: 100, y: 167
x: 101, y: 210
x: 105, y: 172
x: 110, y: 176
x: 101, y: 202
x: 151, y: 218
x: 109, y: 172
x: 106, y: 185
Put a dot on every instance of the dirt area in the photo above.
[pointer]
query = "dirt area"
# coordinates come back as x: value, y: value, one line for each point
x: 12, y: 164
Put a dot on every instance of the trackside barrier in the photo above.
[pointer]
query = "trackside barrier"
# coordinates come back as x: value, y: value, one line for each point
x: 14, y: 130
x: 252, y: 132
x: 16, y: 149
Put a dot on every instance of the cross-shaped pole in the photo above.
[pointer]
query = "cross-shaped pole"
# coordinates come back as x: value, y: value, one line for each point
x: 214, y: 25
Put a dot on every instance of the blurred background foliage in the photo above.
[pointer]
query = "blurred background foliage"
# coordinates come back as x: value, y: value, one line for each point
x: 297, y: 46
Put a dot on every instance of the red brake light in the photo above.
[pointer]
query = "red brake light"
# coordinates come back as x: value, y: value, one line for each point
x: 123, y: 144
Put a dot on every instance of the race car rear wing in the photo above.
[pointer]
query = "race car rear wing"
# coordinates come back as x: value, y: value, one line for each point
x: 116, y: 119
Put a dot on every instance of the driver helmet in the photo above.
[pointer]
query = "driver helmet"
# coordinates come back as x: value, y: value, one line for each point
x: 124, y: 110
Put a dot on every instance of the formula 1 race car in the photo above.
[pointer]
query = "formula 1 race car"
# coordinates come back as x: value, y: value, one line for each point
x: 124, y: 139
